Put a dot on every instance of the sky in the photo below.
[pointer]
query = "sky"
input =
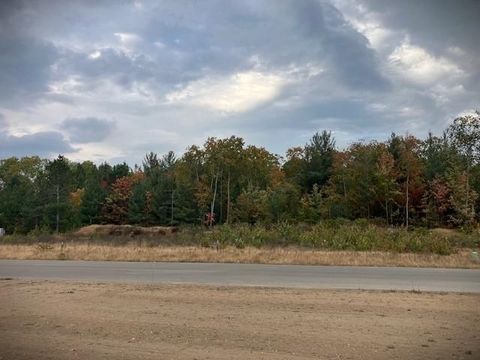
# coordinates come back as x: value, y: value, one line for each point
x: 112, y: 80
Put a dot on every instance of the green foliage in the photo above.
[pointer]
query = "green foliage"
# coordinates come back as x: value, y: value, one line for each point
x: 400, y: 182
x: 115, y: 209
x: 319, y: 159
x: 139, y: 211
x: 238, y: 235
x: 359, y: 235
x: 312, y: 164
x: 282, y: 202
x: 91, y: 203
x: 335, y: 235
x: 250, y: 206
x: 313, y: 205
x: 14, y: 201
x: 465, y: 136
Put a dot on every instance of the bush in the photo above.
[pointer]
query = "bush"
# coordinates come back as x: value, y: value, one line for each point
x: 358, y: 235
x: 337, y: 234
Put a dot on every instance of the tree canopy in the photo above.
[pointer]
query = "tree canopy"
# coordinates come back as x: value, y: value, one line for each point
x: 401, y: 181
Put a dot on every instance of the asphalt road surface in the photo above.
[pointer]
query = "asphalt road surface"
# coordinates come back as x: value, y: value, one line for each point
x: 291, y: 276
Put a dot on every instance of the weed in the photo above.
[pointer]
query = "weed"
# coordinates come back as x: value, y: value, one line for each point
x: 44, y: 247
x: 338, y: 235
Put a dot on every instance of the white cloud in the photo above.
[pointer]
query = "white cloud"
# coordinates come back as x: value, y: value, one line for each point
x: 128, y: 41
x: 445, y: 94
x: 69, y: 86
x: 95, y: 152
x: 377, y: 107
x: 237, y: 93
x: 366, y: 23
x: 418, y: 66
x: 455, y: 50
x: 138, y: 5
x: 76, y: 88
x: 376, y: 34
x: 95, y: 55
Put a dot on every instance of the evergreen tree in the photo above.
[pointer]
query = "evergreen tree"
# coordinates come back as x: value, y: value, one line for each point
x: 319, y: 154
x: 92, y: 201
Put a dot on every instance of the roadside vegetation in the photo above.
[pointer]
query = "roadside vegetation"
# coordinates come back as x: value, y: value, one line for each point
x: 277, y: 255
x: 332, y: 235
x: 333, y: 242
x: 359, y: 235
x: 403, y: 195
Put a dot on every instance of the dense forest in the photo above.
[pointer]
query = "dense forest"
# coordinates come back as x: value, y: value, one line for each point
x: 403, y: 181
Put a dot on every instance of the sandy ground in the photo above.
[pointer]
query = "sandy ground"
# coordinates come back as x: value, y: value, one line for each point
x: 248, y: 255
x: 58, y: 320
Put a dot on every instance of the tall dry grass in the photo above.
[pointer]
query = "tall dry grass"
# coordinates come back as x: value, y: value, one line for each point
x: 230, y: 254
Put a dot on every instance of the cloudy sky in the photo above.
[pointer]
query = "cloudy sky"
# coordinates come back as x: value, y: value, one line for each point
x: 112, y: 80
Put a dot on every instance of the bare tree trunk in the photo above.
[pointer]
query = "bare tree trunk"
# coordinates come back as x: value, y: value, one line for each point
x: 211, y: 182
x: 220, y: 215
x: 386, y: 210
x: 391, y: 214
x: 213, y: 200
x: 171, y: 209
x: 467, y: 200
x: 228, y: 197
x: 406, y: 201
x: 57, y: 227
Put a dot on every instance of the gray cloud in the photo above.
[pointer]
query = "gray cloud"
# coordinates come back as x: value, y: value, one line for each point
x: 46, y: 144
x: 184, y: 41
x: 433, y: 24
x: 348, y: 51
x: 25, y: 69
x: 112, y: 64
x: 443, y: 27
x: 87, y: 130
x: 119, y: 60
x: 3, y: 123
x: 219, y: 36
x: 178, y: 42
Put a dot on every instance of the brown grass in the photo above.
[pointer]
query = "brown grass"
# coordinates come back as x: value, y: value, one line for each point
x: 125, y: 230
x: 291, y: 255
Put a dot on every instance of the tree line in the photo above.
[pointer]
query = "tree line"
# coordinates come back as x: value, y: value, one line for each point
x: 403, y: 181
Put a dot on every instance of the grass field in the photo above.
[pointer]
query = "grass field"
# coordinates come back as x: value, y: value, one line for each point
x: 327, y: 243
x: 288, y: 255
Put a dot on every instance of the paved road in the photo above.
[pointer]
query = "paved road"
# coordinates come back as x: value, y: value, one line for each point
x: 295, y: 276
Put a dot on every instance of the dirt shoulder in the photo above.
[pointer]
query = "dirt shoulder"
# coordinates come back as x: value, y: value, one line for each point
x: 288, y: 255
x: 58, y: 320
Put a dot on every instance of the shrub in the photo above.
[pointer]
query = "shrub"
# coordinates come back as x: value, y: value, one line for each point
x: 338, y: 234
